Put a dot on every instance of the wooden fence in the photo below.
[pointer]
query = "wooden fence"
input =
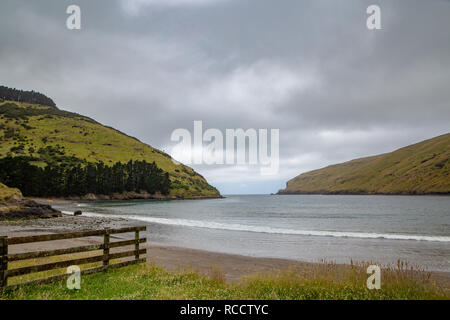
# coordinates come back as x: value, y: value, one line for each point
x: 106, y: 257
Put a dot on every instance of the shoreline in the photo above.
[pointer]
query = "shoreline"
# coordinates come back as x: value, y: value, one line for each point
x: 62, y: 201
x: 232, y: 267
x: 235, y: 267
x: 344, y: 193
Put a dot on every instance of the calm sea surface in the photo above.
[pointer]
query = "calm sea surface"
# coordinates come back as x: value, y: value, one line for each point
x: 301, y: 227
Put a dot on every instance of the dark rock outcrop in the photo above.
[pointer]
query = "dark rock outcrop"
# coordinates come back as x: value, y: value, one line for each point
x: 28, y: 209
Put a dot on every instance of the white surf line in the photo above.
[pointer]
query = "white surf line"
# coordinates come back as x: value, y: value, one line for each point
x: 262, y: 229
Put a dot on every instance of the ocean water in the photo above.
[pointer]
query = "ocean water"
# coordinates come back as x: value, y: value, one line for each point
x: 380, y: 229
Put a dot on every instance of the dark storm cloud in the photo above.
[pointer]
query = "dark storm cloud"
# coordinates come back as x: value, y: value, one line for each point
x: 335, y: 89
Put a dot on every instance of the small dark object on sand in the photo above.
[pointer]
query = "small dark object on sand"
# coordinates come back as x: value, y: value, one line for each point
x: 78, y: 213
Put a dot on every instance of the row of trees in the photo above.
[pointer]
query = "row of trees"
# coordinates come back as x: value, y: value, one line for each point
x: 25, y: 96
x: 78, y: 180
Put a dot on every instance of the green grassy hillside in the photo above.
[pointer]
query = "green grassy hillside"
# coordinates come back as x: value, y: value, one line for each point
x: 316, y: 282
x: 421, y: 168
x: 52, y: 135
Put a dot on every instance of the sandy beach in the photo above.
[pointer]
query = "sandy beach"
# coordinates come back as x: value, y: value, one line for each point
x: 231, y: 267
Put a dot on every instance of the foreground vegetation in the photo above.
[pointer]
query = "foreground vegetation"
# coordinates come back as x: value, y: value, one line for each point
x: 421, y: 168
x: 324, y: 281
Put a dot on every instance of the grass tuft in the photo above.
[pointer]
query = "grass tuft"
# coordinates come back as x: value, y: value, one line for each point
x: 321, y: 281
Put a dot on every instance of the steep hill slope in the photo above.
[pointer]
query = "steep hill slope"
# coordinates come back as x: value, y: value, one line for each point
x: 421, y: 168
x: 50, y: 135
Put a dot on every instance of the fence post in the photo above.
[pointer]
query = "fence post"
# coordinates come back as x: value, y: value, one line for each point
x: 136, y: 245
x: 3, y: 262
x: 106, y: 248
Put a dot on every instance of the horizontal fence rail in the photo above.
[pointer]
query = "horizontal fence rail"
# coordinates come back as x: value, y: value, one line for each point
x: 72, y: 235
x: 105, y: 258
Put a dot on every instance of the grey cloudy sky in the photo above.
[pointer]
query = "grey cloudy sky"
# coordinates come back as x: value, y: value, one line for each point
x: 312, y: 69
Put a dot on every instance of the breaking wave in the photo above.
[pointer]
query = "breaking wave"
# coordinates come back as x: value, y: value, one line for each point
x: 271, y: 230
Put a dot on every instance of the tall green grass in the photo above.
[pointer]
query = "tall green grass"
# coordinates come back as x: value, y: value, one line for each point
x: 321, y: 281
